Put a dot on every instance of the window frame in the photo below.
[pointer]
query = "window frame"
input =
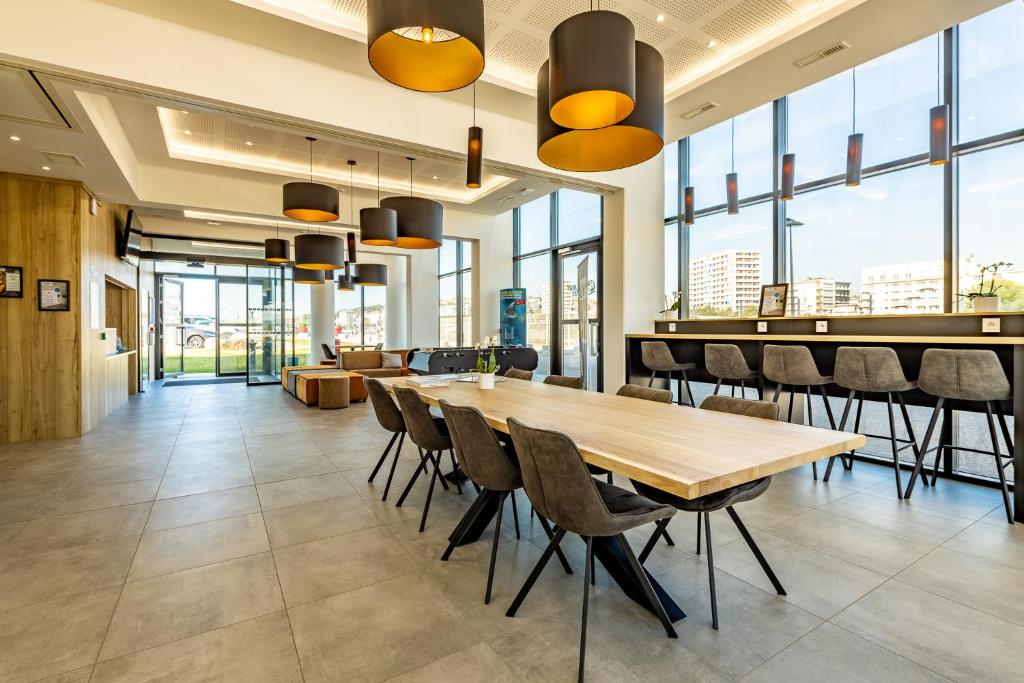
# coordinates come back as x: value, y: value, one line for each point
x: 462, y: 337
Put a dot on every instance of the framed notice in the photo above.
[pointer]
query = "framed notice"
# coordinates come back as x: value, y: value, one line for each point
x: 54, y: 295
x: 10, y: 283
x: 773, y: 301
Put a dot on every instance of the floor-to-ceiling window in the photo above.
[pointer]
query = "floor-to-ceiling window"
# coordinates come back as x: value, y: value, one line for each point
x: 455, y: 292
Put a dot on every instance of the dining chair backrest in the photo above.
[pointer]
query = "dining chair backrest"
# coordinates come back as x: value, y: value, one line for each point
x: 516, y: 373
x: 765, y: 410
x: 963, y: 374
x: 378, y: 346
x: 423, y: 430
x: 388, y: 414
x: 725, y: 361
x: 329, y: 353
x: 790, y: 364
x: 564, y: 381
x: 480, y: 454
x: 645, y: 393
x: 869, y: 368
x: 656, y: 356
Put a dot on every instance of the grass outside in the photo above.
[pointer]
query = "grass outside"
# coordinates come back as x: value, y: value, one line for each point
x: 232, y: 360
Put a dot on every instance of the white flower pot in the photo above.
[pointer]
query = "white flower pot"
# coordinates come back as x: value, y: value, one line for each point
x: 486, y: 380
x: 986, y: 304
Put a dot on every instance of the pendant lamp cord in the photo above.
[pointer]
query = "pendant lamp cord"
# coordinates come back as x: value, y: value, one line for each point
x: 410, y: 177
x: 351, y: 195
x: 855, y: 100
x: 310, y: 160
x: 378, y: 177
x: 733, y: 151
x: 474, y: 104
x: 938, y: 68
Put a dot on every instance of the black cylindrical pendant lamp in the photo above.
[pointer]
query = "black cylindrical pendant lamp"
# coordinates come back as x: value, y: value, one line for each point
x: 593, y: 70
x: 310, y: 202
x: 475, y: 160
x: 276, y: 250
x: 788, y: 176
x: 378, y: 226
x: 371, y: 274
x: 854, y: 159
x: 319, y: 252
x: 938, y: 135
x: 688, y: 218
x: 426, y: 45
x: 350, y: 253
x: 345, y: 283
x: 303, y: 276
x: 732, y: 193
x: 636, y: 139
x: 420, y: 222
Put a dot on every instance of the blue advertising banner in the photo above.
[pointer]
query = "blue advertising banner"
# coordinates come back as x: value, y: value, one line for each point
x: 513, y: 316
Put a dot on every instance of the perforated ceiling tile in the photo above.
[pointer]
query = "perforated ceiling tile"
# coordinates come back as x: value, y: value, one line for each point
x: 489, y: 26
x: 547, y: 15
x: 689, y: 11
x: 648, y: 30
x: 355, y: 9
x: 684, y: 56
x: 749, y: 19
x: 520, y: 51
x: 503, y: 6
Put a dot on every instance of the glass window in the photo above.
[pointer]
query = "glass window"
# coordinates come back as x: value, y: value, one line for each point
x: 711, y: 157
x: 870, y: 250
x: 991, y: 73
x: 579, y: 216
x: 535, y: 278
x: 730, y: 258
x: 535, y: 225
x: 466, y: 286
x: 447, y: 256
x: 455, y: 293
x: 348, y: 316
x: 466, y: 253
x: 672, y: 189
x: 447, y: 312
x: 375, y: 315
x: 671, y: 263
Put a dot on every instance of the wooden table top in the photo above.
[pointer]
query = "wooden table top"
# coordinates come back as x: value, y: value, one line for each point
x: 688, y: 452
x: 840, y: 338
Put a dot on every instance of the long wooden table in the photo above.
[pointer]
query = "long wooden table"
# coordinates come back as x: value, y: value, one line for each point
x: 688, y: 452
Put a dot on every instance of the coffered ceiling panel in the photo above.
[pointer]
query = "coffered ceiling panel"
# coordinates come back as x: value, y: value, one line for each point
x: 696, y: 36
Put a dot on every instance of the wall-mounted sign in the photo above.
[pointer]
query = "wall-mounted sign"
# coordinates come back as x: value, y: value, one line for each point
x: 54, y: 295
x: 10, y: 283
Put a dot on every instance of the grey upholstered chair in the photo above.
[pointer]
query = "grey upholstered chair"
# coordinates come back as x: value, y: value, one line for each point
x: 516, y: 373
x: 430, y: 437
x: 492, y: 466
x: 390, y: 418
x: 645, y: 393
x: 974, y: 375
x: 874, y: 370
x: 329, y: 353
x: 726, y: 362
x: 657, y: 357
x: 564, y: 381
x: 705, y: 505
x: 794, y: 366
x: 561, y: 489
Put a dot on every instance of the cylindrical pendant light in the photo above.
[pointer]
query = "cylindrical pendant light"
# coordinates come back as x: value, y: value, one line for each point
x: 350, y: 257
x: 345, y: 283
x: 304, y: 276
x: 309, y: 201
x: 474, y: 151
x: 371, y: 274
x: 276, y: 250
x: 788, y: 176
x: 378, y: 226
x: 938, y: 118
x: 592, y: 70
x: 688, y: 218
x: 636, y: 139
x: 732, y: 184
x: 420, y: 221
x: 426, y: 45
x: 854, y: 145
x: 319, y: 252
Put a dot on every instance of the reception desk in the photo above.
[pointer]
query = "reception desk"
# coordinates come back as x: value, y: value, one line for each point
x: 910, y: 336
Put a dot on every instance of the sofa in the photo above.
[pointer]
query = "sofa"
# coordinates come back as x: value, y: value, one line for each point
x: 302, y: 381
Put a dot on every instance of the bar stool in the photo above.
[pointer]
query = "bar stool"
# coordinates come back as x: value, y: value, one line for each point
x: 657, y: 357
x: 726, y: 361
x: 974, y: 375
x: 874, y: 370
x: 794, y: 366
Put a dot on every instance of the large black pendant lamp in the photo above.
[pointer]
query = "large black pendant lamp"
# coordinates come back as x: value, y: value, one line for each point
x: 732, y: 189
x: 310, y: 202
x: 854, y: 145
x: 420, y: 221
x: 304, y: 276
x: 426, y: 45
x: 474, y: 151
x: 346, y: 282
x: 276, y: 250
x: 636, y: 139
x: 593, y: 71
x: 371, y: 274
x: 378, y: 226
x: 938, y: 119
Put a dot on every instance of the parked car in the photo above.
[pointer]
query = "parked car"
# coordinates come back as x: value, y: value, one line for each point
x: 199, y: 328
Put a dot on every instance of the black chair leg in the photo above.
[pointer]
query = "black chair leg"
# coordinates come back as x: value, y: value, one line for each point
x: 641, y: 576
x: 412, y: 480
x: 494, y: 548
x: 810, y: 421
x: 778, y: 392
x: 792, y: 400
x: 999, y: 462
x: 455, y: 471
x: 743, y: 390
x: 1002, y: 425
x: 558, y: 551
x: 659, y: 530
x: 430, y: 489
x: 537, y: 569
x: 668, y: 539
x: 515, y: 512
x: 651, y: 382
x: 383, y: 457
x: 690, y: 400
x: 586, y: 603
x: 394, y: 464
x: 895, y: 448
x: 842, y: 428
x: 757, y: 551
x: 711, y: 572
x: 910, y: 434
x: 718, y: 385
x: 923, y: 450
x: 593, y: 571
x: 699, y: 514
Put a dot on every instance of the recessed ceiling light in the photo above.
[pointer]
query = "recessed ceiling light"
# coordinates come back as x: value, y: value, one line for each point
x: 212, y: 223
x: 660, y: 18
x: 15, y: 138
x: 248, y: 143
x: 712, y: 43
x: 187, y: 132
x: 434, y: 177
x: 46, y: 168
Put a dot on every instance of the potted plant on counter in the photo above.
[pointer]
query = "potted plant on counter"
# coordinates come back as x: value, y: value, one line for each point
x: 672, y: 312
x: 486, y: 366
x: 985, y: 298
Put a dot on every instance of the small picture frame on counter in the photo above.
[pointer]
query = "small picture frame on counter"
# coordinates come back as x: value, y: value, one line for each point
x: 54, y: 295
x: 773, y: 301
x: 11, y: 283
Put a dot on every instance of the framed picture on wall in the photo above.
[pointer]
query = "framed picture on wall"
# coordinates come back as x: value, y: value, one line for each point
x: 773, y: 301
x: 10, y: 283
x: 54, y: 295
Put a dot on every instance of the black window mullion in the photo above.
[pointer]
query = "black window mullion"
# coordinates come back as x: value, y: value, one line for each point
x: 683, y: 232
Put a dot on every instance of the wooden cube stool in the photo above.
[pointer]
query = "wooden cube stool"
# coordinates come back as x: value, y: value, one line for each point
x: 333, y: 392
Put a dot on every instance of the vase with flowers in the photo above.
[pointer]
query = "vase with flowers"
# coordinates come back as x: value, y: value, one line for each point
x: 985, y: 297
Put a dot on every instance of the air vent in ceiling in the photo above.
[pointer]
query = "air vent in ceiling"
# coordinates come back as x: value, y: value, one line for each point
x: 697, y: 111
x: 59, y: 159
x: 822, y: 54
x: 517, y: 194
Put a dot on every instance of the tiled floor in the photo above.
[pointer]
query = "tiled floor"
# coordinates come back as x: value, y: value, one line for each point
x: 229, y: 533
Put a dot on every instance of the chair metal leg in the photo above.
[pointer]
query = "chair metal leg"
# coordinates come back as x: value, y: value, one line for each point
x: 828, y: 406
x: 810, y: 422
x: 732, y: 389
x: 668, y: 539
x: 895, y: 448
x: 537, y: 569
x: 711, y: 572
x: 842, y: 428
x: 778, y: 392
x: 455, y: 470
x: 558, y: 551
x: 923, y: 450
x: 593, y: 570
x: 412, y: 480
x: 494, y: 548
x: 430, y: 490
x: 792, y: 400
x: 690, y: 400
x: 699, y: 514
x: 743, y: 389
x: 515, y: 512
x: 586, y: 603
x: 999, y: 462
x: 718, y: 385
x: 651, y: 382
x: 659, y: 530
x: 394, y: 464
x: 910, y: 433
x: 641, y: 575
x: 996, y: 405
x: 757, y: 551
x: 383, y: 457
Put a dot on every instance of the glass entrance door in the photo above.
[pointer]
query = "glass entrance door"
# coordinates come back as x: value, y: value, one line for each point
x: 266, y: 335
x: 172, y: 327
x: 231, y: 327
x: 580, y: 331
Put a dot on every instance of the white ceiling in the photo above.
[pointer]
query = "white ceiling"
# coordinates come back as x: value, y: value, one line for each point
x: 694, y: 36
